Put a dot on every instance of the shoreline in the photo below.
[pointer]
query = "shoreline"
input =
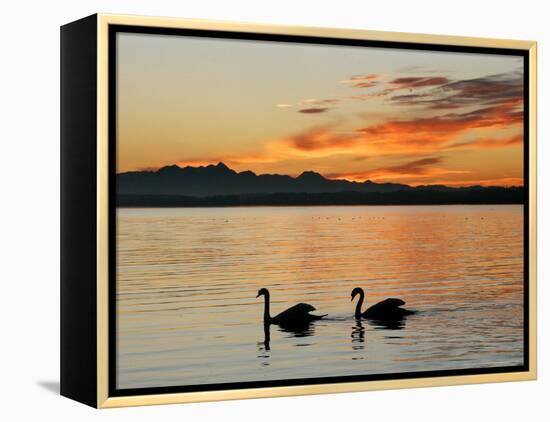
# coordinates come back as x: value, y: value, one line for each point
x: 316, y: 206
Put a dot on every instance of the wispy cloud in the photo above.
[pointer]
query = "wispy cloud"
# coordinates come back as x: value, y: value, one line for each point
x: 363, y: 81
x: 487, y: 143
x: 386, y: 88
x: 439, y: 92
x: 325, y: 101
x: 419, y: 69
x: 309, y: 104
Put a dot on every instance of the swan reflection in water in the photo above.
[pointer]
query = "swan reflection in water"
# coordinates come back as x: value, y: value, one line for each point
x: 295, y: 330
x: 264, y: 346
x: 358, y: 336
x: 397, y: 323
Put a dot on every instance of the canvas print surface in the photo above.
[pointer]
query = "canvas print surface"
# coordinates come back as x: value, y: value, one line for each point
x: 256, y: 177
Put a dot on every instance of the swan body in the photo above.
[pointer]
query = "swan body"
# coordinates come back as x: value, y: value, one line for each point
x: 384, y: 310
x: 301, y: 311
x: 295, y: 316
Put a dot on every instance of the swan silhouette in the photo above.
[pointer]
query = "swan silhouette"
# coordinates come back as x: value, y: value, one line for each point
x: 388, y: 309
x: 296, y: 318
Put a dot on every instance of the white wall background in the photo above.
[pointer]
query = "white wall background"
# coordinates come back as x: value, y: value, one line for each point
x: 29, y: 235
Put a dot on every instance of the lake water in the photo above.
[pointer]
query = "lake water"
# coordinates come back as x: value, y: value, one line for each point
x: 188, y: 277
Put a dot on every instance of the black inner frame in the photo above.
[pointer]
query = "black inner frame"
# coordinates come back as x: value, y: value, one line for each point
x: 112, y: 319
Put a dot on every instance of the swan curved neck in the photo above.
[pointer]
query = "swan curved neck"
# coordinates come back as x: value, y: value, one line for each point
x: 359, y: 304
x: 267, y: 316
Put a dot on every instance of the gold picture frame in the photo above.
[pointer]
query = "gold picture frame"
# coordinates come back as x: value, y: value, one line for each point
x: 87, y: 41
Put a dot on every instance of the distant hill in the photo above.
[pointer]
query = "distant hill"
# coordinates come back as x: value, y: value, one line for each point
x: 219, y: 179
x: 218, y: 185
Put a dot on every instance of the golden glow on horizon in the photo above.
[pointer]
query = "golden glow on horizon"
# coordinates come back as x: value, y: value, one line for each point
x: 345, y: 112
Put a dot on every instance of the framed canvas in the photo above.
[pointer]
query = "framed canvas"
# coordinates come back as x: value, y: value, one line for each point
x: 254, y: 211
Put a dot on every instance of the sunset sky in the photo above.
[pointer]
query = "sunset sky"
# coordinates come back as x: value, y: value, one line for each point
x: 351, y: 113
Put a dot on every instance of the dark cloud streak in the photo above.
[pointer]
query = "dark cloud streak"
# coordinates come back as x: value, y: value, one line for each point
x: 412, y: 167
x: 487, y: 90
x: 417, y: 168
x: 314, y: 110
x: 419, y: 81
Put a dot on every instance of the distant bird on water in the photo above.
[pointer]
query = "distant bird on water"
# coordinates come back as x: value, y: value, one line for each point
x: 388, y: 309
x: 295, y: 317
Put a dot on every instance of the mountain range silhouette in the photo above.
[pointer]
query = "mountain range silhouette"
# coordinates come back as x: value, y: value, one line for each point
x: 221, y: 180
x: 214, y: 185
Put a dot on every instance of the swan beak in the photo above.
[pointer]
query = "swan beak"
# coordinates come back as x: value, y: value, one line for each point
x: 258, y: 295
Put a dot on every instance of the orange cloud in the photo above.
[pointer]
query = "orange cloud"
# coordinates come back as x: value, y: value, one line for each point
x: 432, y: 133
x: 502, y: 181
x: 424, y: 135
x: 320, y: 138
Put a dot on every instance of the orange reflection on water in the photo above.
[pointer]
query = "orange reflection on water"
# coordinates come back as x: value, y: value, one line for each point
x: 187, y: 281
